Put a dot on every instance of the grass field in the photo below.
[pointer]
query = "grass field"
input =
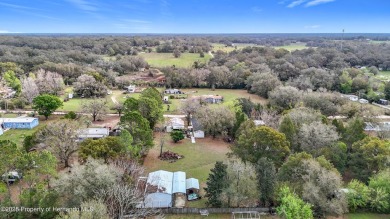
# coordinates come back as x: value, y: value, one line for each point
x: 229, y: 96
x: 293, y: 46
x: 383, y: 75
x: 198, y: 159
x: 167, y: 59
x: 224, y: 48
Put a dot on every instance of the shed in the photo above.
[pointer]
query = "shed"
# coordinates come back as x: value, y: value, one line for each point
x: 363, y: 101
x: 179, y: 182
x: 199, y: 134
x: 131, y: 88
x: 192, y: 189
x: 20, y: 123
x: 383, y: 102
x: 94, y: 133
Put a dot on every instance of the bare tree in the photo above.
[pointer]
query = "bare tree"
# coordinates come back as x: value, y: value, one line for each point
x: 98, y: 109
x: 190, y: 108
x: 49, y: 82
x: 29, y: 89
x: 61, y: 138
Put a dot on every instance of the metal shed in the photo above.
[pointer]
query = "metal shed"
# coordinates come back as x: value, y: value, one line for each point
x: 179, y: 182
x: 158, y: 200
x: 162, y: 180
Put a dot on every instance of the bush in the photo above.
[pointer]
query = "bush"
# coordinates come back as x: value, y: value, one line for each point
x: 177, y: 136
x: 70, y: 115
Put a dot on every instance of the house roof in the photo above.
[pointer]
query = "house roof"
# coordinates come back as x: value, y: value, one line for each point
x: 18, y: 120
x: 179, y: 182
x: 192, y: 183
x: 380, y: 126
x: 94, y: 132
x: 259, y: 122
x: 176, y: 121
x: 162, y: 180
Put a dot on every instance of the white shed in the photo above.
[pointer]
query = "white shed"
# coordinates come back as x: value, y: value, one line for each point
x: 199, y: 134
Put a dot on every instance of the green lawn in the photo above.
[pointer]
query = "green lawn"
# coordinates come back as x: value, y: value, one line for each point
x: 229, y: 96
x: 224, y: 48
x: 167, y: 59
x: 198, y: 159
x: 383, y: 75
x: 293, y: 46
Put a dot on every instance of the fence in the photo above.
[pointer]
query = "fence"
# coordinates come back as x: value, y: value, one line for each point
x: 211, y: 210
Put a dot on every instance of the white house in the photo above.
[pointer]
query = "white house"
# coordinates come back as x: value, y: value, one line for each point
x: 173, y: 91
x: 174, y: 124
x: 94, y: 133
x: 259, y: 122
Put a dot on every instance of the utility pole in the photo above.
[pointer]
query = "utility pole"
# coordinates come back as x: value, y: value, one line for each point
x: 342, y: 39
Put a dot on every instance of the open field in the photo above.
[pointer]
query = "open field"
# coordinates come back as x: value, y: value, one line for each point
x: 293, y: 46
x: 198, y: 159
x: 224, y: 48
x: 167, y: 59
x: 229, y: 96
x: 383, y: 75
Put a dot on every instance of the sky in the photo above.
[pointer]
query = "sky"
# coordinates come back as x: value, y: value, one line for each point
x: 194, y: 16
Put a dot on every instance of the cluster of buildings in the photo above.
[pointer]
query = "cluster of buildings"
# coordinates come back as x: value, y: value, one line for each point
x: 164, y: 189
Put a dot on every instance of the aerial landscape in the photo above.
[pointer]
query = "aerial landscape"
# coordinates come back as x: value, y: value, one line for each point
x: 194, y: 109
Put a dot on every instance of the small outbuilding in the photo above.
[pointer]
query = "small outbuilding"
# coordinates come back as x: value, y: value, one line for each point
x: 130, y: 88
x: 383, y: 102
x: 192, y: 189
x: 20, y: 123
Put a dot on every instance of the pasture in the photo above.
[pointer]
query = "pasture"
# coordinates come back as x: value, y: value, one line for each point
x: 224, y: 48
x: 293, y: 47
x: 229, y: 95
x: 167, y: 59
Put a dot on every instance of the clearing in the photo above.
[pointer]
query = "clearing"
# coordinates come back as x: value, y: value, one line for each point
x: 167, y: 59
x: 229, y: 95
x: 293, y: 46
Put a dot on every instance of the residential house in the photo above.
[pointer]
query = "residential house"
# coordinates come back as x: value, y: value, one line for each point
x: 19, y: 123
x: 174, y: 124
x: 94, y: 133
x: 173, y: 91
x: 209, y: 98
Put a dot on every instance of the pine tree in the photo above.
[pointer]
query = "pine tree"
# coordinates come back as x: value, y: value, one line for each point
x: 288, y: 128
x: 216, y: 183
x: 266, y: 178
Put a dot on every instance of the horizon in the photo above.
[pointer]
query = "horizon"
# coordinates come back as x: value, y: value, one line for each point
x: 193, y: 16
